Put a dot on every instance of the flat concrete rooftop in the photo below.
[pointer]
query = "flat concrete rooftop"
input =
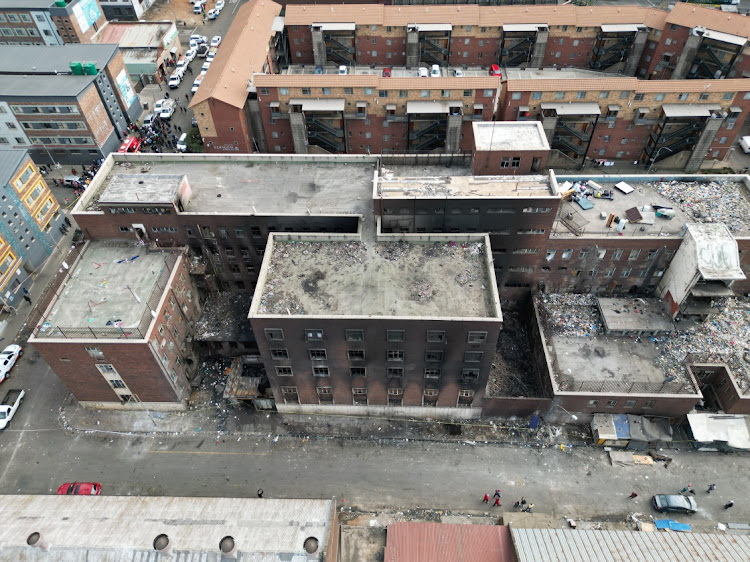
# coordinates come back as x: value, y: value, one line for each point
x: 586, y: 360
x: 426, y: 182
x: 556, y: 74
x: 108, y: 288
x: 634, y: 315
x: 693, y: 201
x: 443, y: 279
x: 249, y: 185
x: 503, y: 136
x: 137, y: 188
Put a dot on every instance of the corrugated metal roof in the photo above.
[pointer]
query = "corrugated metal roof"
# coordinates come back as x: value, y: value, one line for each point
x: 442, y: 542
x: 124, y: 527
x: 563, y: 545
x: 10, y: 160
x: 690, y: 15
x: 242, y: 53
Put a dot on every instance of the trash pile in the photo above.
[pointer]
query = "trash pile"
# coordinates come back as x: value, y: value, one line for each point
x: 571, y: 314
x: 346, y: 254
x: 392, y: 251
x: 724, y: 339
x: 278, y: 302
x: 715, y: 201
x: 421, y: 291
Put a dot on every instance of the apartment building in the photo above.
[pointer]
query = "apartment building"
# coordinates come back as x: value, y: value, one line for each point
x: 49, y: 22
x: 253, y: 223
x: 117, y: 331
x: 65, y: 104
x: 145, y: 47
x: 30, y: 225
x: 352, y: 83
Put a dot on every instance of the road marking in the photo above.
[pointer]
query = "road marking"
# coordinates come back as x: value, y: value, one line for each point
x: 152, y: 450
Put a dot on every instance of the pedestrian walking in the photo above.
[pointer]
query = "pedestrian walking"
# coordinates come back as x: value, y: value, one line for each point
x: 523, y: 501
x: 497, y: 502
x: 25, y: 291
x: 711, y: 488
x: 486, y: 498
x: 729, y: 504
x: 632, y: 496
x: 528, y: 508
x: 686, y: 489
x: 186, y: 97
x: 28, y: 300
x: 260, y: 492
x: 516, y: 504
x: 497, y: 494
x: 179, y: 128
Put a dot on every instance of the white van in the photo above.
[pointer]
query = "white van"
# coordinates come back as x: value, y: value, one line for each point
x: 181, y: 144
x: 176, y: 77
x: 745, y: 144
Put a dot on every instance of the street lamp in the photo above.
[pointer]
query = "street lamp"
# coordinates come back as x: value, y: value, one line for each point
x: 656, y: 156
x: 572, y: 416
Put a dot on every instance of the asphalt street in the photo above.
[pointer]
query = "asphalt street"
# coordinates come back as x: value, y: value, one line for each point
x: 37, y: 455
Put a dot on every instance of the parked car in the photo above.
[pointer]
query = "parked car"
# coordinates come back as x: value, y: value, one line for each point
x: 422, y: 72
x: 190, y: 55
x: 206, y: 66
x: 458, y: 73
x: 72, y: 181
x: 175, y: 79
x: 197, y: 9
x: 435, y: 71
x: 495, y: 71
x: 167, y: 110
x: 8, y: 358
x: 9, y: 406
x: 219, y: 5
x: 343, y: 70
x: 182, y: 63
x: 319, y: 70
x: 745, y: 144
x: 80, y: 489
x: 158, y: 105
x: 213, y: 14
x: 386, y: 72
x: 216, y: 40
x: 182, y: 143
x: 674, y: 503
x: 151, y: 117
x: 202, y: 50
x: 130, y: 144
x: 197, y: 82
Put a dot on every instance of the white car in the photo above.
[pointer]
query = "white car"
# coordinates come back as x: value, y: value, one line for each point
x: 210, y: 57
x: 167, y: 109
x: 158, y: 106
x: 199, y: 38
x: 219, y: 5
x: 8, y: 358
x: 150, y: 118
x: 190, y: 55
x: 197, y: 82
x: 458, y: 73
x: 206, y: 66
x: 343, y: 70
x: 422, y: 72
x: 435, y: 71
x: 216, y: 40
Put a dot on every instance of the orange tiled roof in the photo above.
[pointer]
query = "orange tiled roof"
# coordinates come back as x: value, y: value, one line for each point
x: 374, y: 81
x: 628, y: 84
x: 690, y: 15
x: 242, y: 53
x: 306, y: 14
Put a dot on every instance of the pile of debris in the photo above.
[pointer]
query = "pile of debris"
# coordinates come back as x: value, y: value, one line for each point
x: 571, y: 314
x: 392, y: 251
x: 421, y: 291
x: 715, y: 201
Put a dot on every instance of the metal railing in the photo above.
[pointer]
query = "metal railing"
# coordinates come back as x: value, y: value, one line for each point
x: 47, y: 330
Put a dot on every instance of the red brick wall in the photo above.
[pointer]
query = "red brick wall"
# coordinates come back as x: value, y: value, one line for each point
x: 485, y: 163
x: 232, y: 131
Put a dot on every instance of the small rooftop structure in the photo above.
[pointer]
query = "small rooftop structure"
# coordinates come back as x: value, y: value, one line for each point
x: 52, y: 59
x: 401, y: 181
x: 503, y: 136
x: 140, y: 188
x: 438, y: 278
x: 109, y: 293
x: 134, y: 34
x: 224, y: 318
x: 720, y: 431
x: 428, y: 542
x: 563, y: 545
x: 249, y: 184
x: 626, y: 316
x: 125, y: 528
x: 716, y: 249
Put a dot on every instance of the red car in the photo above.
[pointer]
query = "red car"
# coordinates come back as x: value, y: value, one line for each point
x: 80, y: 489
x: 495, y: 71
x: 386, y: 73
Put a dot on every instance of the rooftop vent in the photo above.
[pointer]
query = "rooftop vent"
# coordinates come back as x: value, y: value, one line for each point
x: 228, y: 547
x: 163, y: 545
x: 311, y: 545
x: 35, y: 540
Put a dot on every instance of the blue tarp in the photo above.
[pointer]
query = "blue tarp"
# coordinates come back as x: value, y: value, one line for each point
x: 622, y: 426
x: 672, y: 525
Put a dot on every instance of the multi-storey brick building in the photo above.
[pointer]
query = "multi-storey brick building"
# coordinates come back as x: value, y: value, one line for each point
x: 377, y: 324
x: 49, y: 22
x: 117, y: 330
x: 30, y: 225
x: 224, y: 208
x: 68, y: 104
x: 348, y: 81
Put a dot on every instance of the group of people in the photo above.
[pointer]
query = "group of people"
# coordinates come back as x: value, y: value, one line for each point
x: 87, y: 174
x: 522, y: 503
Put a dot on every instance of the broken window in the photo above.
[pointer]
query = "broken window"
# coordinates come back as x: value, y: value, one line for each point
x: 355, y: 335
x: 279, y: 354
x: 356, y: 354
x: 395, y: 335
x: 284, y: 371
x: 317, y: 354
x: 473, y: 356
x: 470, y: 374
x: 395, y: 355
x: 433, y: 355
x: 395, y: 372
x: 274, y: 334
x: 320, y: 371
x: 357, y: 371
x: 432, y: 373
x: 435, y: 336
x: 477, y: 337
